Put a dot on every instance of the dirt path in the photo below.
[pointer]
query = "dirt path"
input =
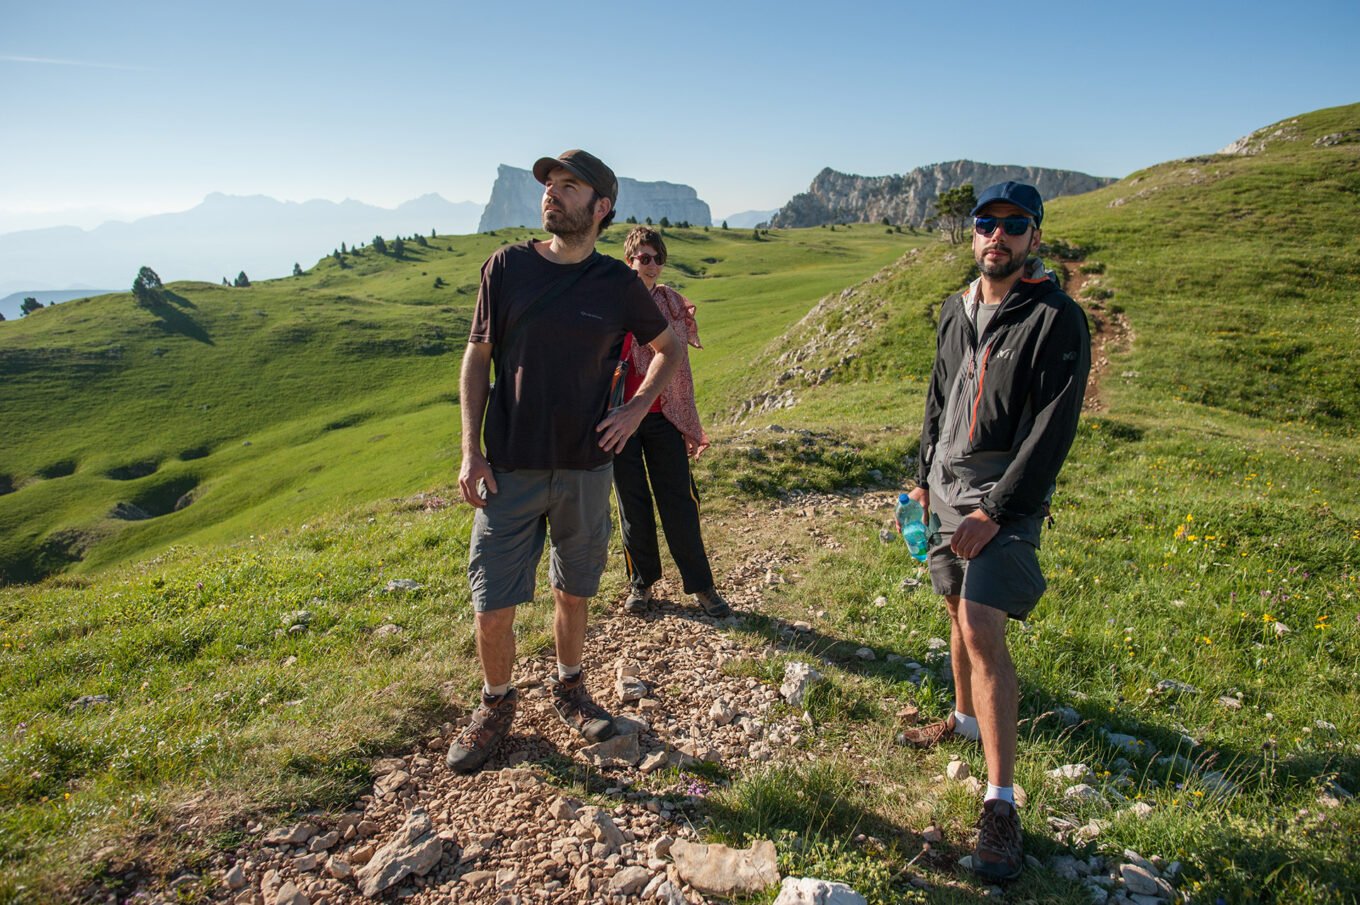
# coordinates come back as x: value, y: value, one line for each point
x: 523, y: 830
x: 1112, y: 331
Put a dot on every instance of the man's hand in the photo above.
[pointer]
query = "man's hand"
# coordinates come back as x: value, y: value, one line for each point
x: 475, y: 468
x: 973, y: 533
x: 922, y: 496
x: 620, y: 424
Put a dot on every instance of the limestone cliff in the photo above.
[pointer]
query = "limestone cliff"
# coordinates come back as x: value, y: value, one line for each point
x: 909, y: 199
x: 516, y: 195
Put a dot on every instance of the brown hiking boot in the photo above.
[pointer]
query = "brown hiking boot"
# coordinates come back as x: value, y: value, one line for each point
x: 928, y: 736
x: 637, y: 601
x: 489, y: 725
x: 1000, y: 852
x: 712, y: 603
x: 573, y: 704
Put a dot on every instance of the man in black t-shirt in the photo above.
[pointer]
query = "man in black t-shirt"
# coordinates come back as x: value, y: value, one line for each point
x: 552, y: 317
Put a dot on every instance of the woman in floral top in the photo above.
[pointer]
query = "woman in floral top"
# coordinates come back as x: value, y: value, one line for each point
x: 655, y: 463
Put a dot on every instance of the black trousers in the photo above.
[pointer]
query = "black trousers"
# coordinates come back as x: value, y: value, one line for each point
x: 654, y: 464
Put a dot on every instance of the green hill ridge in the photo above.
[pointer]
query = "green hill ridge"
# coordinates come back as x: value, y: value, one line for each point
x: 229, y: 409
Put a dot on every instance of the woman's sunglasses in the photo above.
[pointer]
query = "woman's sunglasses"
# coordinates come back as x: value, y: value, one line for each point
x: 1014, y: 226
x: 648, y: 259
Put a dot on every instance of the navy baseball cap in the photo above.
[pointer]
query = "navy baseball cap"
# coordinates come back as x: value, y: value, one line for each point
x: 1025, y: 197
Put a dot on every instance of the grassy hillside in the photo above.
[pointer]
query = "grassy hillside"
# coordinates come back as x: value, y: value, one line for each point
x: 227, y: 410
x: 1207, y: 534
x: 1207, y: 525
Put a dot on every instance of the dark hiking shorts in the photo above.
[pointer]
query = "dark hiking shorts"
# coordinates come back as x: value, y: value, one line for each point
x: 568, y: 506
x: 1004, y: 576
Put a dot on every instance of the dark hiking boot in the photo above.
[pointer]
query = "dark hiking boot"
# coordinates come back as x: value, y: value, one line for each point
x: 1000, y: 852
x: 489, y: 725
x: 712, y: 603
x: 929, y: 735
x: 573, y: 704
x: 637, y: 601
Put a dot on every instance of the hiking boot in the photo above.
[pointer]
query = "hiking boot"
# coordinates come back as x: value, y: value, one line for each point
x: 930, y: 735
x: 712, y: 603
x: 1000, y: 853
x: 489, y: 725
x: 573, y: 704
x: 637, y: 601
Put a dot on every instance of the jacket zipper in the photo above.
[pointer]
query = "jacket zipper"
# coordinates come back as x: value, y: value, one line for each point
x: 982, y: 378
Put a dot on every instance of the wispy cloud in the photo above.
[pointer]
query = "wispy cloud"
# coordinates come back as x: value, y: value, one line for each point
x: 49, y: 61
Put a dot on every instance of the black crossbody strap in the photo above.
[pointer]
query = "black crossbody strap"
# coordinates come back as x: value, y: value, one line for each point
x: 539, y: 305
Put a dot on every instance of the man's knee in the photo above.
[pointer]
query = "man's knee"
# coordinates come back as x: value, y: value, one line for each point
x: 569, y: 601
x: 496, y: 623
x: 983, y: 629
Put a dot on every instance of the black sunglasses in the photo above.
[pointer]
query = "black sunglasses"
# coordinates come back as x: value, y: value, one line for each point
x: 1014, y: 226
x: 647, y: 259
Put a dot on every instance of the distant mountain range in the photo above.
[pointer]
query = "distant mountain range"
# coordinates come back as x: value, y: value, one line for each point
x: 221, y: 237
x: 9, y: 305
x: 516, y: 196
x: 747, y: 219
x: 908, y: 200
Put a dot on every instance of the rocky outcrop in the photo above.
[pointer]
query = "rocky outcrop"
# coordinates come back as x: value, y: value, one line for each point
x: 909, y: 199
x: 516, y: 194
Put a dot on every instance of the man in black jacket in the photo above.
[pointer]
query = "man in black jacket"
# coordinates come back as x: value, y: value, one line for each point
x: 1010, y: 373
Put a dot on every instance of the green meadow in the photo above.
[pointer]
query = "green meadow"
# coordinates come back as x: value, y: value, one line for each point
x: 1204, y: 564
x: 254, y: 407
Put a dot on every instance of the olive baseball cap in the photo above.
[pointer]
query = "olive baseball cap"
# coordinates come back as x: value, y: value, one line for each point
x: 1026, y: 197
x: 585, y: 166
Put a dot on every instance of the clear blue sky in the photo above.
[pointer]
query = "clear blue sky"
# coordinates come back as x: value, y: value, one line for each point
x: 136, y: 107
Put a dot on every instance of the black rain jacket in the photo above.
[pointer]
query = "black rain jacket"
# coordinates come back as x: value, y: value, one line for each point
x: 1002, y: 408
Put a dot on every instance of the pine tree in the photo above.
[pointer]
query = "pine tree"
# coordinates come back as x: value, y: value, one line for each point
x: 379, y: 245
x: 952, y: 209
x: 29, y: 305
x: 242, y: 281
x: 146, y: 287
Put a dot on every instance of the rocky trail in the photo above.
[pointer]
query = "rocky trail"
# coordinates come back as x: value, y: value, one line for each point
x: 1112, y: 331
x: 553, y: 820
x: 521, y: 831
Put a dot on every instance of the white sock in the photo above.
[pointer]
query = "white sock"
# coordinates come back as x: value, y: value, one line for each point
x: 1005, y: 793
x: 495, y: 691
x: 565, y: 672
x: 966, y: 726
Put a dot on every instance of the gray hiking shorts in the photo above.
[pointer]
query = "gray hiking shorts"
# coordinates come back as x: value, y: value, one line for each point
x: 1004, y: 576
x: 568, y: 506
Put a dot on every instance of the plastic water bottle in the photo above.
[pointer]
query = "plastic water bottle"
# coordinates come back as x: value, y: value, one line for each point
x: 912, y: 525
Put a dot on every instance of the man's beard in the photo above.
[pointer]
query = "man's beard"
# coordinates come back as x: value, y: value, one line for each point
x: 999, y: 270
x: 567, y: 224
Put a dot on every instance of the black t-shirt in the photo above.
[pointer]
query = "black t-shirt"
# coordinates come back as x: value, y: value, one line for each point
x: 552, y: 380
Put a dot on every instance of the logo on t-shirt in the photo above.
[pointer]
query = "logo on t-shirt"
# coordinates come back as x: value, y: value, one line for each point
x: 592, y: 315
